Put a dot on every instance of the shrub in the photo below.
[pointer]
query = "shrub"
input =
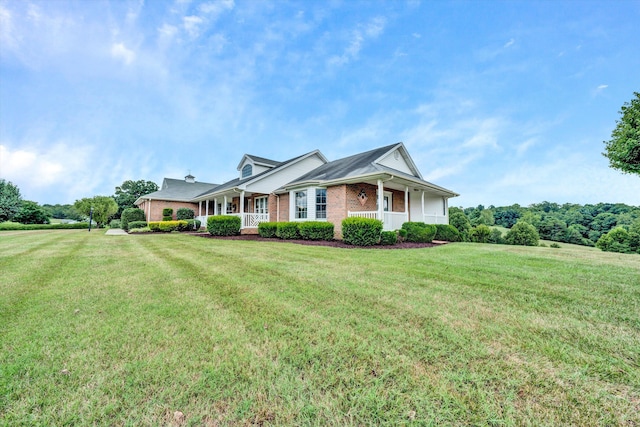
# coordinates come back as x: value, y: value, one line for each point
x: 193, y: 224
x: 402, y: 235
x: 447, y: 233
x: 522, y: 233
x: 168, y: 226
x: 316, y: 230
x: 137, y: 224
x: 419, y: 232
x: 288, y: 230
x: 388, y: 238
x: 460, y: 221
x: 554, y: 245
x: 619, y: 240
x: 154, y: 226
x: 267, y: 229
x: 167, y: 212
x: 131, y: 214
x: 495, y: 237
x: 8, y: 225
x: 224, y: 225
x: 185, y: 213
x: 115, y: 223
x: 167, y: 218
x: 480, y: 234
x: 361, y: 231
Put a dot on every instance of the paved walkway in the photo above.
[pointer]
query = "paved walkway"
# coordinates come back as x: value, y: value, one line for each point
x: 116, y: 232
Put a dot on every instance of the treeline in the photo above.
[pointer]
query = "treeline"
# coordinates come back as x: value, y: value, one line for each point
x: 569, y: 223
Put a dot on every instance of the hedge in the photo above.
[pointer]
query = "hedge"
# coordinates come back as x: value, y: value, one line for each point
x: 167, y: 218
x: 167, y: 212
x: 193, y: 224
x: 10, y: 226
x: 185, y: 213
x: 361, y: 231
x: 388, y: 238
x: 167, y: 226
x: 288, y: 230
x: 130, y: 215
x: 419, y: 232
x: 447, y: 233
x: 136, y: 224
x: 224, y: 225
x: 316, y: 230
x: 267, y: 229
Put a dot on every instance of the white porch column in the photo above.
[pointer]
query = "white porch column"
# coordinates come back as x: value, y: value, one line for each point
x: 422, y: 195
x: 224, y: 207
x: 406, y: 202
x: 149, y: 213
x: 207, y: 208
x: 242, y: 209
x: 215, y: 206
x: 200, y: 208
x: 380, y: 201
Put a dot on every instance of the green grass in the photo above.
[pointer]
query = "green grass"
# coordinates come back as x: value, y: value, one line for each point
x: 126, y: 330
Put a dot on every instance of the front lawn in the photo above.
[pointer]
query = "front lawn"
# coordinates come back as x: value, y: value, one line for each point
x: 127, y: 330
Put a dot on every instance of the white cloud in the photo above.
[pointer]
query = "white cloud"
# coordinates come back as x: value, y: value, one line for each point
x: 362, y: 33
x: 120, y: 51
x: 509, y: 43
x: 215, y: 8
x: 192, y: 25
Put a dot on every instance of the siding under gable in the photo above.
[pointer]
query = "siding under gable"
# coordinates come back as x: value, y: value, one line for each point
x: 398, y: 163
x: 287, y: 174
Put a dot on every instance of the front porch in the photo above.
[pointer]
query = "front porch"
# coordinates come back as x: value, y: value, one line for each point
x: 394, y: 220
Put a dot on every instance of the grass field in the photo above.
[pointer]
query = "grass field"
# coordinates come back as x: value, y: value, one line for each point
x: 127, y: 330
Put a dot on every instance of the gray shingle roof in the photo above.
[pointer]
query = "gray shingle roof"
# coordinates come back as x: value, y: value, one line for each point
x: 263, y: 160
x: 179, y: 190
x: 358, y: 164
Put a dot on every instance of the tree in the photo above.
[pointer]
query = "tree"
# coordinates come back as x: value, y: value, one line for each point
x: 130, y: 191
x: 62, y: 212
x: 460, y: 221
x: 623, y: 149
x: 10, y: 200
x: 522, y: 233
x: 32, y: 213
x: 103, y: 208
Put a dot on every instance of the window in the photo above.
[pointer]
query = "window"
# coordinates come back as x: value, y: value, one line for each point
x: 261, y: 205
x: 444, y: 206
x: 247, y: 170
x: 229, y: 208
x: 301, y: 205
x: 321, y: 203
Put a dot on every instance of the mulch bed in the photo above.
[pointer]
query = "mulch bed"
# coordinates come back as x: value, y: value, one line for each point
x: 332, y: 243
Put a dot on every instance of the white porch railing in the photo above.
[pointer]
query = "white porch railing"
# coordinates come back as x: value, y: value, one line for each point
x: 251, y: 220
x: 390, y: 220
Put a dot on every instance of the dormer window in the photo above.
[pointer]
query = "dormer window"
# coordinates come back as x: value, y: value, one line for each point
x: 247, y: 170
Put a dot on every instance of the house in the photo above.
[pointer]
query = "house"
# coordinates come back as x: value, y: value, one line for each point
x: 175, y: 194
x: 383, y: 183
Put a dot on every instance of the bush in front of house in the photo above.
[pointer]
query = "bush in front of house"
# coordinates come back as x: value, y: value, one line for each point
x: 388, y: 238
x: 167, y: 226
x: 129, y: 215
x: 361, y: 231
x: 419, y: 232
x: 480, y: 234
x: 136, y: 224
x: 522, y: 233
x: 185, y: 213
x: 447, y: 233
x: 115, y: 223
x: 267, y: 229
x: 316, y: 230
x: 224, y: 225
x: 193, y: 224
x: 402, y: 235
x: 287, y: 230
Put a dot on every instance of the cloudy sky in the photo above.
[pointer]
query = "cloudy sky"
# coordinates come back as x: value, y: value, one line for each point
x: 502, y: 102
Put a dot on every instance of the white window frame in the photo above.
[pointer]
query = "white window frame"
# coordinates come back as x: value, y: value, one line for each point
x: 317, y: 204
x: 261, y: 205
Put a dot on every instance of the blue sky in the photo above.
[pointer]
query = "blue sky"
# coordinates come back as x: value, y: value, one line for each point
x: 502, y: 102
